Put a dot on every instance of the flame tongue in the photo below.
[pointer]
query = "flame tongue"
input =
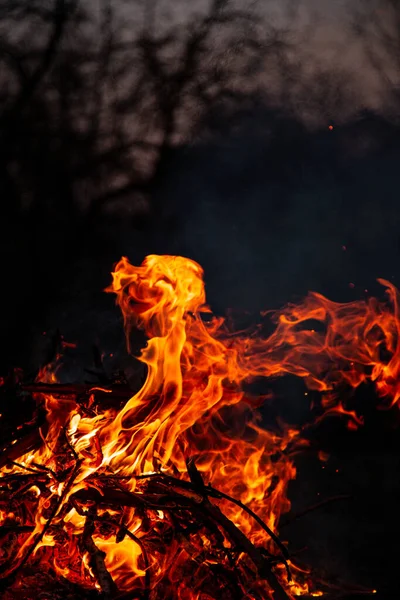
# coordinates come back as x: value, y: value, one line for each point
x: 88, y: 496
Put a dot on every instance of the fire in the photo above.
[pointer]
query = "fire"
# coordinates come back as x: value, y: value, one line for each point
x: 87, y: 515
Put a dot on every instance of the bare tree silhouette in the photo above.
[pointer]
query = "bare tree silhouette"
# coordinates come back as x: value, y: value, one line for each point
x: 91, y: 111
x: 116, y: 108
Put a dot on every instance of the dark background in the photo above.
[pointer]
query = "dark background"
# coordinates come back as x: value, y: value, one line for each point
x: 238, y: 140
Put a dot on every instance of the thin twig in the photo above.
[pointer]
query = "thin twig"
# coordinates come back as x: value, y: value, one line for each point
x: 21, y: 466
x: 312, y: 508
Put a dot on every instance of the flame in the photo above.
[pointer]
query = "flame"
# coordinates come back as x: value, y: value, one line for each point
x: 192, y: 405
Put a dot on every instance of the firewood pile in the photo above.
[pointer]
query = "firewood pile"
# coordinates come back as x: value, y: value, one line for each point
x: 182, y: 526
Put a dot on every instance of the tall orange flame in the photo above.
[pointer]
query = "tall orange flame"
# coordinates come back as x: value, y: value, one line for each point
x: 192, y: 404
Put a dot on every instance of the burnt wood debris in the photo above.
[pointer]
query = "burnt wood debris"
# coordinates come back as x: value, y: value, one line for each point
x: 191, y: 507
x: 190, y: 513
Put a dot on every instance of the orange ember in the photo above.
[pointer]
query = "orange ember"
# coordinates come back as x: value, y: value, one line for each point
x: 191, y: 410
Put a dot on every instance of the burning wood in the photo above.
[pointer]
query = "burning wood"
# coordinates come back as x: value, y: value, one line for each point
x: 172, y: 511
x: 175, y: 492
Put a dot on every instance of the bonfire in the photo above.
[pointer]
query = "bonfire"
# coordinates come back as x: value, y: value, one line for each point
x: 176, y: 491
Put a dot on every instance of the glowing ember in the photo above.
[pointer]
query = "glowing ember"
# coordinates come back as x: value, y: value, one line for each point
x: 151, y: 498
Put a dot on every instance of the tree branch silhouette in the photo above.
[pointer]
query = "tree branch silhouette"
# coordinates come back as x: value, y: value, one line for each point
x: 378, y: 29
x: 58, y: 17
